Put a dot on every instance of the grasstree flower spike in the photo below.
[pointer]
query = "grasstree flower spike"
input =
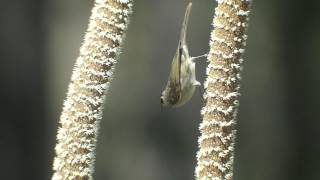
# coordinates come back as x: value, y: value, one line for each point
x: 82, y: 111
x: 216, y: 143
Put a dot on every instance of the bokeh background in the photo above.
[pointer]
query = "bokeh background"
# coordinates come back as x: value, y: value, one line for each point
x: 279, y: 118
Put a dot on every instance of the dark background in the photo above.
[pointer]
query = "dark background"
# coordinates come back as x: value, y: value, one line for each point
x: 278, y: 123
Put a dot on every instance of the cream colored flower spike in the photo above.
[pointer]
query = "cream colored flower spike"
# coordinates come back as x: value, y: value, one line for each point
x: 91, y: 77
x: 216, y: 143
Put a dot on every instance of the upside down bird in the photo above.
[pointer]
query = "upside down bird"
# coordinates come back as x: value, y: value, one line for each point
x: 182, y: 79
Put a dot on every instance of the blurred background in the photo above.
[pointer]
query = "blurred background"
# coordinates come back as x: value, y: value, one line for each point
x: 279, y: 118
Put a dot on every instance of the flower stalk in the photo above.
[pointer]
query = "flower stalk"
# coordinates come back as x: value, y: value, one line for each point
x: 91, y: 77
x: 218, y: 133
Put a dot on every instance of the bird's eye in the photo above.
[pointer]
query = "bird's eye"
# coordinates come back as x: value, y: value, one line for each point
x: 161, y: 100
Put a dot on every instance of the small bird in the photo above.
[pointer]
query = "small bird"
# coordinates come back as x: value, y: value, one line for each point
x: 182, y: 79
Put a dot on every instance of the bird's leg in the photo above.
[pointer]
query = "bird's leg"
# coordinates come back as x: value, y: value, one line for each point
x: 197, y: 57
x: 198, y: 86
